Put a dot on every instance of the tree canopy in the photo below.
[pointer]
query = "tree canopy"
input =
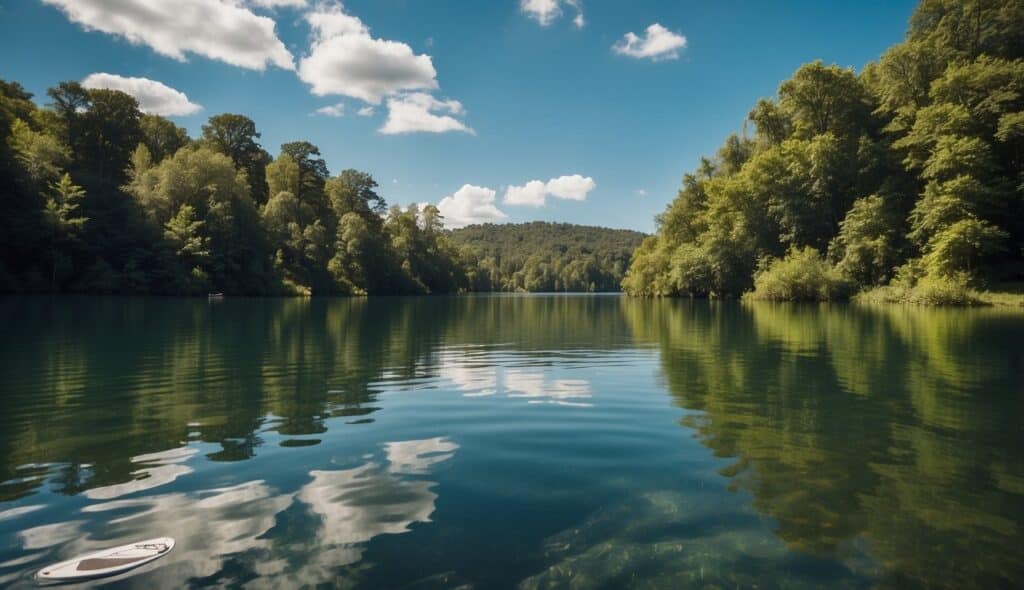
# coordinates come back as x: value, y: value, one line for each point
x: 910, y: 169
x: 101, y: 198
x: 541, y: 256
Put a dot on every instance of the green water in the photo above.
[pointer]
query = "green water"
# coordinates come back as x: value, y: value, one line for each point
x: 502, y: 442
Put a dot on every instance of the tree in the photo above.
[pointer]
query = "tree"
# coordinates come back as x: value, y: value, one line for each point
x: 772, y: 124
x: 286, y: 220
x: 191, y: 246
x: 312, y: 168
x: 353, y: 191
x: 960, y: 247
x: 103, y: 130
x: 161, y: 137
x: 236, y: 137
x: 64, y: 222
x: 216, y: 195
x: 866, y: 249
x: 915, y: 164
x: 969, y: 28
x: 283, y: 176
x: 41, y: 155
x: 822, y: 99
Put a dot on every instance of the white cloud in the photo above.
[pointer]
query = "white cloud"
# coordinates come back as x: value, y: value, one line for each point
x: 344, y: 59
x: 543, y: 11
x: 535, y: 192
x: 219, y: 30
x: 658, y: 43
x: 280, y: 3
x: 154, y: 97
x: 366, y: 111
x: 573, y: 188
x: 532, y: 193
x: 470, y: 204
x: 640, y: 192
x: 420, y: 112
x: 546, y: 12
x: 332, y: 110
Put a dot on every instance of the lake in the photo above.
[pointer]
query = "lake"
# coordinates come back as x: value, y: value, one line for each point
x: 514, y: 442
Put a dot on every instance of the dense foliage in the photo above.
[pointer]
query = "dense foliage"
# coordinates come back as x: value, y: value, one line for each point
x: 98, y: 197
x: 546, y: 257
x: 913, y: 168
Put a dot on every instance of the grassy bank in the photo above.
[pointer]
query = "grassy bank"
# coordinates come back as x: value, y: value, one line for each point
x: 936, y: 294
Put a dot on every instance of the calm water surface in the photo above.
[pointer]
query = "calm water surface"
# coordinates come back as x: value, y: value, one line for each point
x: 514, y: 442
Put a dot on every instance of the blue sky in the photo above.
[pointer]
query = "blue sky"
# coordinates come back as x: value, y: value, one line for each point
x: 543, y: 97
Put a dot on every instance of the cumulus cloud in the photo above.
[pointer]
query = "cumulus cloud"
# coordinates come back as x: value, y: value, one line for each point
x: 332, y: 110
x: 345, y: 59
x: 468, y: 205
x: 535, y: 192
x: 546, y: 12
x: 154, y: 97
x: 573, y: 188
x: 658, y: 43
x: 532, y: 193
x: 224, y: 31
x: 419, y: 112
x: 366, y: 111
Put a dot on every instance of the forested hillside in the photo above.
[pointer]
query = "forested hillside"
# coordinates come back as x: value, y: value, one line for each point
x: 100, y: 198
x: 908, y: 174
x: 542, y: 256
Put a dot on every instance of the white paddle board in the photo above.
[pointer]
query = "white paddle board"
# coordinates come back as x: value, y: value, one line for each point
x: 108, y: 562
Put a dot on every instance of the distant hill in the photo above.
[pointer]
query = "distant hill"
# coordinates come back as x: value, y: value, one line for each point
x: 541, y: 256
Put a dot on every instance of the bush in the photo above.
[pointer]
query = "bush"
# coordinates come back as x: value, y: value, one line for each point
x: 803, y: 275
x: 913, y: 286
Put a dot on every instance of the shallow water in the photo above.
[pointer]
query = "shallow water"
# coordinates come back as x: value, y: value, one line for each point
x: 514, y: 441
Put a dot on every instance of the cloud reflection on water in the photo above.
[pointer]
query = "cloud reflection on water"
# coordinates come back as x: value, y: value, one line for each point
x: 162, y: 468
x: 475, y: 378
x: 237, y: 522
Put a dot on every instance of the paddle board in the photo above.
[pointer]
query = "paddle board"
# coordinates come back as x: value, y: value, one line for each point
x: 108, y: 562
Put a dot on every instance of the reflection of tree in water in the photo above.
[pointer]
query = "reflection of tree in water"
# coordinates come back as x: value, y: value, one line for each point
x: 894, y: 425
x: 92, y: 383
x: 122, y: 378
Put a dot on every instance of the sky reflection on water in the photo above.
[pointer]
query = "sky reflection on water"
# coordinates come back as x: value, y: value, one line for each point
x: 529, y: 442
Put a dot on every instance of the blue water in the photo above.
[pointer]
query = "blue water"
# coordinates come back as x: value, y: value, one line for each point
x: 514, y: 442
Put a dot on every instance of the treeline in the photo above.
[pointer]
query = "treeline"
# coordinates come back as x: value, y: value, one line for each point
x: 97, y: 197
x: 545, y: 257
x: 908, y: 175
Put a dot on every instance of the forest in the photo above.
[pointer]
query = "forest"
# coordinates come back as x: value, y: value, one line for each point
x: 902, y: 182
x: 545, y: 257
x: 101, y: 198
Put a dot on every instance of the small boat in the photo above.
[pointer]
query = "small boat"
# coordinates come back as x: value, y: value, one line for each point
x: 215, y: 296
x: 108, y: 562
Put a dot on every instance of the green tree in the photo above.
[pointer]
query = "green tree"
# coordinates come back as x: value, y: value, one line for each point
x: 216, y: 195
x: 162, y: 137
x: 867, y: 247
x: 65, y: 223
x: 41, y: 155
x: 960, y: 247
x: 236, y: 137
